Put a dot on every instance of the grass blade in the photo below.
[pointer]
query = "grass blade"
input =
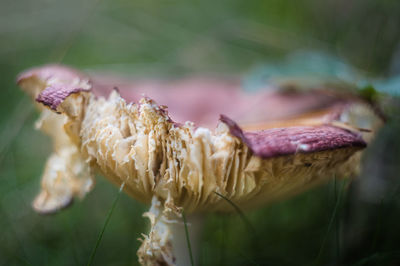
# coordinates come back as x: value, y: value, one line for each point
x: 13, y: 126
x: 110, y: 212
x: 337, y: 223
x: 188, y: 239
x: 240, y: 212
x: 335, y: 210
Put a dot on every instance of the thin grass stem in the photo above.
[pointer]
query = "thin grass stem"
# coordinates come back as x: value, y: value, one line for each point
x: 110, y: 212
x: 188, y: 239
x: 335, y: 210
x: 337, y: 223
x: 240, y: 212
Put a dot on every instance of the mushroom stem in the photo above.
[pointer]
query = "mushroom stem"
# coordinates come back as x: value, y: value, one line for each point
x: 166, y: 243
x: 179, y: 241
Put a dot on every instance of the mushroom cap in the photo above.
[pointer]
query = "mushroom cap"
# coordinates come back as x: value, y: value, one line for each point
x: 207, y: 135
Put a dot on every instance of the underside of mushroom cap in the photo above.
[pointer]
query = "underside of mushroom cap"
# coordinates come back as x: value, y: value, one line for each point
x: 266, y: 145
x: 207, y: 138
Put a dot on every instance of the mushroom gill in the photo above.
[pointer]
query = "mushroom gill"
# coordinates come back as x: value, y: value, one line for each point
x: 252, y: 148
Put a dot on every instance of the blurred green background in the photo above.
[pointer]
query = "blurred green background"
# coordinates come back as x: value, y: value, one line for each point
x: 358, y: 225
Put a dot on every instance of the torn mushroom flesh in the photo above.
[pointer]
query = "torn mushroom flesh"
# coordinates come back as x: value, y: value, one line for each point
x: 266, y: 145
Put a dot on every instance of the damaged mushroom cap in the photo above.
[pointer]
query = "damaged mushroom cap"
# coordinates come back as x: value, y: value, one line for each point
x: 252, y: 148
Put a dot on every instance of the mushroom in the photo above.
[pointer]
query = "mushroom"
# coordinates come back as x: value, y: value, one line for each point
x: 263, y: 147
